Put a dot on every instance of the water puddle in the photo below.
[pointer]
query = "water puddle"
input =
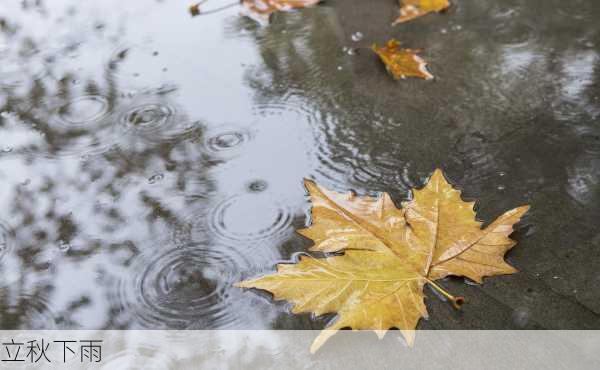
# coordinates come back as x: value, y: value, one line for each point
x: 150, y: 159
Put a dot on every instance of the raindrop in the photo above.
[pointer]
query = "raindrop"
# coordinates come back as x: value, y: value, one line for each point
x: 339, y: 68
x: 501, y: 187
x: 148, y: 115
x: 357, y: 36
x: 155, y: 120
x: 7, y: 149
x: 156, y: 178
x: 226, y: 140
x: 63, y: 246
x: 257, y: 186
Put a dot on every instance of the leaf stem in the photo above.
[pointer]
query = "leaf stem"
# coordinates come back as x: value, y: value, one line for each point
x: 195, y: 8
x: 457, y: 302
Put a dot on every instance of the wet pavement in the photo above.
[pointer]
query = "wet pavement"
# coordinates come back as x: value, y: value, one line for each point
x: 149, y: 160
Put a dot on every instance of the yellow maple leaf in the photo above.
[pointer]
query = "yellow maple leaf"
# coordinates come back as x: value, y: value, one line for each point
x: 402, y: 63
x: 411, y: 9
x: 389, y: 254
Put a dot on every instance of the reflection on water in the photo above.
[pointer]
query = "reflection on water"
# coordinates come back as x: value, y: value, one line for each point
x: 149, y: 160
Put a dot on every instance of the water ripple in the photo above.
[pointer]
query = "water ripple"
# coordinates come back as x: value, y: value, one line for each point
x: 583, y: 180
x: 81, y: 126
x: 30, y: 312
x: 86, y: 110
x: 514, y: 34
x: 189, y: 287
x: 250, y: 218
x: 154, y: 119
x: 590, y: 138
x: 226, y: 140
x: 5, y: 240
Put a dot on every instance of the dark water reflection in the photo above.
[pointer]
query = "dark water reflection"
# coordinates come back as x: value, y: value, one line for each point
x: 149, y: 160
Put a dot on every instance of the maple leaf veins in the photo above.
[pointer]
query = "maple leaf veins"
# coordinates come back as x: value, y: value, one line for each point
x: 389, y: 254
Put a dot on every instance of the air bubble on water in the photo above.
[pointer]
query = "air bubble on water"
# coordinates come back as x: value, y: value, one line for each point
x: 458, y: 27
x: 339, y: 68
x: 357, y: 36
x: 444, y: 31
x: 555, y: 277
x: 501, y: 187
x: 349, y: 51
x: 156, y: 178
x: 501, y: 174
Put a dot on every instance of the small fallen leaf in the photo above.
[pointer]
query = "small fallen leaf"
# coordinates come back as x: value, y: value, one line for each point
x: 260, y: 10
x: 411, y: 9
x: 263, y: 9
x: 402, y: 63
x: 389, y: 254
